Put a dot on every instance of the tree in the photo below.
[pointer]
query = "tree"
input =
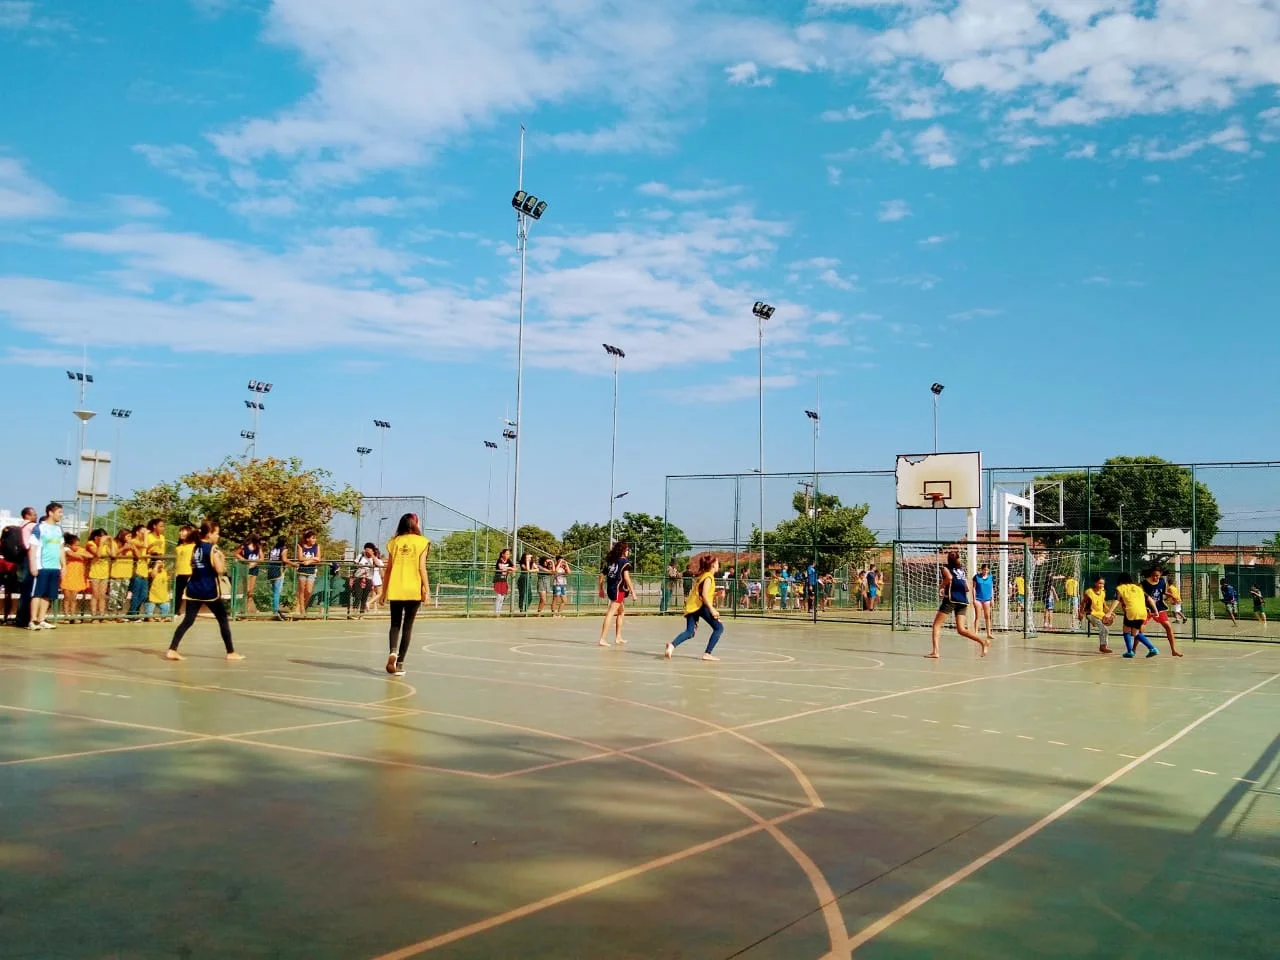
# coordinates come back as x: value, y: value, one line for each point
x: 1136, y: 493
x: 538, y: 541
x: 839, y: 535
x: 267, y: 497
x: 581, y: 535
x: 1095, y: 551
x: 649, y: 536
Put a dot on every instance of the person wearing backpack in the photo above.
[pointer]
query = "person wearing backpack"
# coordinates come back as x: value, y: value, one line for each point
x: 47, y: 555
x: 16, y: 573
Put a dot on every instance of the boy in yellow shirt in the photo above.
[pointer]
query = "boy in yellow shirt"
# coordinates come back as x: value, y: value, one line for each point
x: 1136, y: 604
x: 158, y: 594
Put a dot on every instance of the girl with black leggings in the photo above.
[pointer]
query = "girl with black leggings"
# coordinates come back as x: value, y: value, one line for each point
x: 207, y: 565
x: 406, y: 587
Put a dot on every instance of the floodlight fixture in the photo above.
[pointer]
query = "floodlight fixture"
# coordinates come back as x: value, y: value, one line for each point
x: 62, y: 461
x: 614, y: 351
x: 508, y: 434
x: 249, y: 434
x: 120, y: 414
x: 937, y: 389
x: 812, y: 415
x: 527, y: 205
x: 622, y: 494
x: 490, y: 445
x: 382, y: 424
x: 255, y: 405
x: 364, y: 451
x: 762, y: 310
x: 258, y: 386
x: 82, y: 377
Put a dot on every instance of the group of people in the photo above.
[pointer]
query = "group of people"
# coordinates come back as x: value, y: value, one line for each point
x: 1231, y: 600
x: 550, y: 574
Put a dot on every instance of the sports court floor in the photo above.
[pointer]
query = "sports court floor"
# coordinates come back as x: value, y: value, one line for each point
x: 822, y: 791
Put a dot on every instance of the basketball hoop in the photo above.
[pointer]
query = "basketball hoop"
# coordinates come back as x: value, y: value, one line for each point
x: 936, y: 500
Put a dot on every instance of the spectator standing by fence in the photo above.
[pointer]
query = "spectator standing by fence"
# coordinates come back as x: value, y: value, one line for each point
x: 46, y: 556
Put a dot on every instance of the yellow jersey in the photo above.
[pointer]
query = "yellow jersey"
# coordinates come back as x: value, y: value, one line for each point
x: 122, y: 561
x: 1097, y: 600
x: 1171, y: 593
x: 1133, y: 600
x: 182, y: 559
x: 100, y: 568
x: 159, y: 592
x: 155, y: 545
x: 697, y: 598
x: 1019, y: 586
x: 404, y: 582
x: 1071, y: 587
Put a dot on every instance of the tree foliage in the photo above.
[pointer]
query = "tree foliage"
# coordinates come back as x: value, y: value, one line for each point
x: 1140, y: 492
x: 580, y: 535
x: 649, y: 535
x: 837, y: 536
x: 267, y: 497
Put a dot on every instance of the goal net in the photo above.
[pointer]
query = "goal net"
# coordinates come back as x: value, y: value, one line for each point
x: 1019, y: 598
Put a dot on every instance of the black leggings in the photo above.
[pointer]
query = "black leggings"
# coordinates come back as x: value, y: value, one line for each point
x: 403, y: 613
x: 219, y: 613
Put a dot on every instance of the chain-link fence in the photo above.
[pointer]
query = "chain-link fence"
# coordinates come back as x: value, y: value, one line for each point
x: 1224, y: 574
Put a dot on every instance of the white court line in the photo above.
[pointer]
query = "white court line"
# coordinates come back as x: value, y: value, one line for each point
x: 945, y: 884
x: 281, y: 676
x: 1208, y: 773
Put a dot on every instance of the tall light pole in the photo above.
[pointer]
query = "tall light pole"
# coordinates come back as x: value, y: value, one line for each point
x: 508, y: 434
x: 361, y: 453
x: 83, y: 378
x: 492, y: 447
x: 261, y: 389
x: 384, y: 426
x: 813, y: 592
x: 936, y: 390
x: 120, y: 416
x: 618, y: 354
x: 762, y: 312
x: 248, y: 436
x: 527, y: 207
x: 65, y: 464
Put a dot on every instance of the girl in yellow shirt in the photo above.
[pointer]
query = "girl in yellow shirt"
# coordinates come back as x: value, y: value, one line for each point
x: 182, y: 567
x: 100, y: 549
x: 1130, y: 596
x: 406, y: 586
x: 121, y: 570
x: 701, y: 605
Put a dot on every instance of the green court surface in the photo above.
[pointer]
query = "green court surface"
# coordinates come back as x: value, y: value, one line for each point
x: 823, y: 791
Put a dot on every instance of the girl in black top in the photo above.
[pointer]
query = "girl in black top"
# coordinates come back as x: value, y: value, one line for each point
x: 527, y: 566
x: 955, y: 600
x: 501, y: 571
x: 615, y: 586
x: 207, y: 566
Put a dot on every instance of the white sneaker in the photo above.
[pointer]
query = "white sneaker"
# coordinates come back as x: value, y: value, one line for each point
x: 33, y: 626
x: 46, y: 625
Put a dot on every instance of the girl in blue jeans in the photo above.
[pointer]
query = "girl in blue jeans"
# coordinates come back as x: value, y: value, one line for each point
x: 700, y: 605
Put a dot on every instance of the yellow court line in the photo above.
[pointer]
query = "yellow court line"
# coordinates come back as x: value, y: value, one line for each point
x: 946, y: 883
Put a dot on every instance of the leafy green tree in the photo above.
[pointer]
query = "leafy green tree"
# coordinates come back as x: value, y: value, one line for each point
x: 538, y: 541
x: 838, y: 535
x: 1095, y: 551
x: 1138, y: 492
x: 580, y: 535
x: 267, y: 497
x: 647, y: 535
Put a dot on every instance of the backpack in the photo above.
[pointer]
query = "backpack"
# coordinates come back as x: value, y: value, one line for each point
x: 11, y: 544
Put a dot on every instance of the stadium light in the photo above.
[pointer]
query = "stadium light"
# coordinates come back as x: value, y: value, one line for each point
x: 622, y: 494
x: 62, y: 461
x: 120, y: 415
x: 936, y: 390
x: 258, y: 386
x: 527, y: 207
x: 248, y: 434
x: 617, y: 353
x: 762, y: 312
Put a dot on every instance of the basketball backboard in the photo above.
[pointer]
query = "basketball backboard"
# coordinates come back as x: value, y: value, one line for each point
x: 941, y: 481
x: 1168, y: 540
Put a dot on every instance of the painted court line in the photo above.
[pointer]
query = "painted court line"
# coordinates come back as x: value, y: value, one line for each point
x: 942, y: 886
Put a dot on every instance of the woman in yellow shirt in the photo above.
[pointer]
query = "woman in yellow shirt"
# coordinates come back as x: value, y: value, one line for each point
x: 121, y: 570
x: 75, y: 570
x: 701, y: 605
x: 182, y: 567
x: 406, y: 586
x: 1130, y: 596
x: 100, y: 551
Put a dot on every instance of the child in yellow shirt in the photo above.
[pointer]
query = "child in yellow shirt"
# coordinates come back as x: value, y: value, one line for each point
x: 158, y: 594
x: 1135, y: 603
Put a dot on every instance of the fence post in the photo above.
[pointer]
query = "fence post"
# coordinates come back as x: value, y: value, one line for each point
x: 1028, y: 588
x: 1195, y: 533
x: 893, y: 584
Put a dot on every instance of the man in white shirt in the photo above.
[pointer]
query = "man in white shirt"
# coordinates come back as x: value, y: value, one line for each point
x: 46, y: 556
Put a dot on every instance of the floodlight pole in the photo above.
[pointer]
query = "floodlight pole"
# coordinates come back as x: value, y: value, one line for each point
x: 384, y: 427
x: 361, y: 451
x: 617, y: 355
x: 762, y: 313
x: 522, y: 243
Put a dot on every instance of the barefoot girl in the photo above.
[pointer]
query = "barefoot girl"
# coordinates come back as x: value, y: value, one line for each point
x: 955, y: 600
x: 615, y: 586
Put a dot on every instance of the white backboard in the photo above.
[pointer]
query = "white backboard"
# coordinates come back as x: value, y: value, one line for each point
x: 957, y: 477
x: 94, y: 478
x: 1169, y: 539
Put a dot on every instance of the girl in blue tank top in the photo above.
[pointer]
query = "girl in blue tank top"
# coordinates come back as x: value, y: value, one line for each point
x: 203, y: 590
x: 954, y: 590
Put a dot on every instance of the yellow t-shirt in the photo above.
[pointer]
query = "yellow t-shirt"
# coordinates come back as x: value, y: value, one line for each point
x: 1019, y: 586
x: 159, y: 592
x: 1071, y: 586
x: 1097, y: 601
x: 182, y: 559
x: 100, y: 568
x: 155, y: 545
x: 1133, y: 600
x: 1171, y: 593
x: 142, y: 563
x: 122, y: 563
x: 697, y: 596
x: 403, y: 554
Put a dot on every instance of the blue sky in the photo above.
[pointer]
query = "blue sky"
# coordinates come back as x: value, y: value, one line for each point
x: 1065, y: 210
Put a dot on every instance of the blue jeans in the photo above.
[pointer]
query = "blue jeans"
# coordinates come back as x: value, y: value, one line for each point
x: 691, y: 627
x: 139, y: 588
x: 277, y: 586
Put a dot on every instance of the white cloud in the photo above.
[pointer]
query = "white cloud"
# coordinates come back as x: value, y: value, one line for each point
x: 1086, y: 151
x: 1232, y: 138
x: 625, y: 137
x: 833, y: 175
x: 1151, y: 178
x: 22, y: 196
x: 933, y: 146
x: 268, y: 206
x: 22, y: 16
x: 1098, y: 280
x: 747, y: 74
x: 887, y: 146
x: 977, y: 313
x: 891, y: 211
x: 1270, y: 131
x: 138, y: 208
x: 935, y: 240
x: 695, y: 195
x: 851, y: 112
x: 732, y: 389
